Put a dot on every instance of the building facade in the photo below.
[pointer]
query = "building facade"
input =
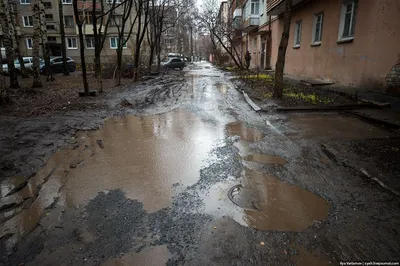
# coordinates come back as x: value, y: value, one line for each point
x: 24, y: 22
x: 351, y: 42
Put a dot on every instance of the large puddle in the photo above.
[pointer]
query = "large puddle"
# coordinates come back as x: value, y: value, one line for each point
x: 146, y: 157
x: 143, y: 156
x: 265, y: 203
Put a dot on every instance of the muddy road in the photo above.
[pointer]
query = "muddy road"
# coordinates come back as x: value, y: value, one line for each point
x: 179, y: 170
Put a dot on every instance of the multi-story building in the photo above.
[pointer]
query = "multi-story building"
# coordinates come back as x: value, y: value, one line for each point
x: 352, y: 42
x: 25, y: 25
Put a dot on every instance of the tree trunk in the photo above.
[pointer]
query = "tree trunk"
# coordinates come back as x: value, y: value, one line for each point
x: 8, y: 47
x: 280, y: 63
x: 158, y: 55
x: 81, y: 47
x: 63, y: 43
x: 37, y: 82
x: 12, y: 22
x: 45, y: 45
x: 119, y: 66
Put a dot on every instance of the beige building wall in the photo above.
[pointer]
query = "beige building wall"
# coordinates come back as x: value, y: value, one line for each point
x: 363, y: 62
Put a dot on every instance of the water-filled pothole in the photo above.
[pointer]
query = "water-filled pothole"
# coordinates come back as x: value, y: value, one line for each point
x: 266, y: 203
x: 244, y: 132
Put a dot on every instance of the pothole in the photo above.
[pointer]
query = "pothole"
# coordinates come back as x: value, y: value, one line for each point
x: 270, y: 204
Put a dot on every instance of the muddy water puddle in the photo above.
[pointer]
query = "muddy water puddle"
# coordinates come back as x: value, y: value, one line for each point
x: 265, y: 203
x: 144, y: 156
x: 245, y: 133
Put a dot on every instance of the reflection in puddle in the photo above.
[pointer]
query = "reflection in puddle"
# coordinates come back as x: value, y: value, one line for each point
x: 245, y: 133
x: 152, y: 256
x: 222, y: 87
x: 267, y: 203
x: 144, y: 156
x: 265, y: 158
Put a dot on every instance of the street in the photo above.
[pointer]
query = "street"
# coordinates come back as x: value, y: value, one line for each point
x: 187, y: 173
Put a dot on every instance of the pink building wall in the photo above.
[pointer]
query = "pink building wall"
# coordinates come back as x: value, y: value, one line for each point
x: 363, y: 62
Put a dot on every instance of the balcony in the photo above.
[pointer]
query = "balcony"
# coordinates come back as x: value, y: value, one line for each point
x: 251, y: 23
x: 277, y: 7
x: 237, y: 13
x: 88, y: 5
x: 87, y: 29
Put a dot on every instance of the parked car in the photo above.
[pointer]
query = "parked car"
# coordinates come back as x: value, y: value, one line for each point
x: 174, y: 63
x: 28, y: 61
x: 56, y: 64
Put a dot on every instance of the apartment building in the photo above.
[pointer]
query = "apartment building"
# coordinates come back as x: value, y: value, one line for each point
x: 351, y: 42
x: 25, y: 25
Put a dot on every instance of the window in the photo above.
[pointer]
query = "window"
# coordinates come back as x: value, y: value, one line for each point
x: 49, y: 17
x: 254, y: 45
x: 47, y: 5
x: 255, y: 7
x: 29, y: 43
x: 68, y: 21
x: 28, y: 21
x: 114, y: 43
x: 67, y: 2
x: 347, y: 20
x: 72, y: 43
x: 297, y: 34
x: 26, y: 60
x: 317, y: 28
x: 51, y: 39
x: 25, y: 2
x: 114, y: 1
x: 90, y: 42
x: 51, y: 27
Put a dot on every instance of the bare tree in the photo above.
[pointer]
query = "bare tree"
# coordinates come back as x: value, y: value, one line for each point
x: 79, y: 24
x: 15, y: 37
x: 223, y: 32
x: 100, y: 33
x: 142, y: 13
x: 44, y: 41
x: 8, y: 46
x: 63, y: 43
x: 37, y: 82
x: 124, y: 26
x: 280, y: 62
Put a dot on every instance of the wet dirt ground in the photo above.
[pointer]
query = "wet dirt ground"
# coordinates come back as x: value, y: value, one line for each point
x: 183, y: 172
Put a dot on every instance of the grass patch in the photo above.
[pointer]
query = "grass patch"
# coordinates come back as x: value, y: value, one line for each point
x: 265, y: 77
x: 311, y: 98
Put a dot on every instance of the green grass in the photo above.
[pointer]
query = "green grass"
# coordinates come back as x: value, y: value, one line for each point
x: 311, y: 98
x: 259, y: 76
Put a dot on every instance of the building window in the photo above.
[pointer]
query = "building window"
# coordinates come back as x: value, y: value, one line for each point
x: 47, y: 5
x: 255, y: 45
x: 51, y: 27
x: 317, y: 28
x: 51, y: 39
x: 67, y: 2
x: 49, y: 17
x: 68, y: 21
x: 347, y: 20
x: 28, y: 21
x: 90, y: 42
x: 25, y: 2
x: 72, y: 43
x: 114, y: 1
x: 255, y: 7
x: 29, y: 43
x: 114, y: 43
x: 297, y: 34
